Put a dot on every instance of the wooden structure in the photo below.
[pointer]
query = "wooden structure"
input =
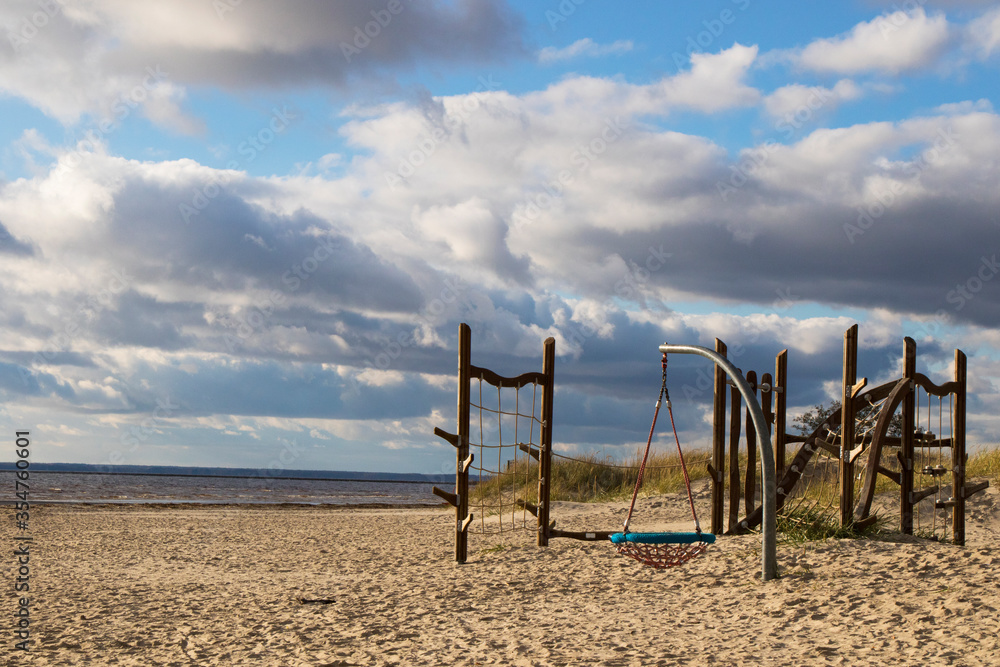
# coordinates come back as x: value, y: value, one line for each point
x: 462, y: 440
x: 869, y: 454
x: 851, y: 449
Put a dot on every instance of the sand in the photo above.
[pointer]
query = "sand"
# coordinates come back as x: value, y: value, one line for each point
x: 116, y: 585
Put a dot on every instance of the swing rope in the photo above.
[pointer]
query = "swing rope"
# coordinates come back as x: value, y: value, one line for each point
x: 662, y: 550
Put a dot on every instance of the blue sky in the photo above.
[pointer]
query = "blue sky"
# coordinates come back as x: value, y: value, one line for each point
x: 218, y: 220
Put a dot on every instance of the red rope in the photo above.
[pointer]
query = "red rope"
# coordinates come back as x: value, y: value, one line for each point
x: 687, y: 478
x: 645, y: 455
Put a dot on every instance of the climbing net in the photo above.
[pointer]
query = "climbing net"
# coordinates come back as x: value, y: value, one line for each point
x: 505, y: 426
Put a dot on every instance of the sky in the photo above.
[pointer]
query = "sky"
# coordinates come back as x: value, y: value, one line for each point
x: 244, y: 233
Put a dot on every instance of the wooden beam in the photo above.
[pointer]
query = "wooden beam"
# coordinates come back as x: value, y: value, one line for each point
x: 906, y: 454
x: 447, y: 496
x: 850, y: 379
x: 588, y: 536
x: 735, y: 412
x: 462, y: 516
x: 750, y: 485
x: 917, y: 496
x: 780, y: 409
x: 973, y: 489
x: 958, y: 457
x: 450, y: 437
x: 529, y: 450
x: 718, y: 465
x: 531, y: 507
x: 545, y: 441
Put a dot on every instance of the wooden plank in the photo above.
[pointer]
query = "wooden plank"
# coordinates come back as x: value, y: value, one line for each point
x: 958, y: 457
x: 585, y: 535
x: 718, y: 466
x: 545, y: 440
x: 497, y: 380
x: 917, y: 496
x: 750, y: 485
x: 462, y: 451
x: 891, y: 474
x: 973, y: 489
x: 850, y: 378
x: 938, y: 389
x: 531, y: 507
x: 450, y: 437
x: 529, y: 450
x: 906, y: 453
x: 780, y: 411
x: 735, y: 412
x: 447, y: 496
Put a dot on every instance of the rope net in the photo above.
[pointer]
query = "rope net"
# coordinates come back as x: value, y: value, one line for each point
x: 504, y: 422
x: 662, y: 556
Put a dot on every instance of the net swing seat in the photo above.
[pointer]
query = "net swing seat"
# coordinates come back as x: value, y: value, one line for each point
x: 662, y: 550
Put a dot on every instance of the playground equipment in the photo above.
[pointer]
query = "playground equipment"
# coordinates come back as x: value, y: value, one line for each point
x: 662, y: 550
x: 855, y: 444
x: 846, y: 461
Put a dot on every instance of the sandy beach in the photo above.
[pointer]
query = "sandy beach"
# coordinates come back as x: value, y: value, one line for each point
x: 325, y: 586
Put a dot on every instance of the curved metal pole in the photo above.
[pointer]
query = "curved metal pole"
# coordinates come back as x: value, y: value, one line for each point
x: 768, y: 559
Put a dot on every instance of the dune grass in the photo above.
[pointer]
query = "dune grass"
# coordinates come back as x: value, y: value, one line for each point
x: 595, y: 478
x: 985, y: 463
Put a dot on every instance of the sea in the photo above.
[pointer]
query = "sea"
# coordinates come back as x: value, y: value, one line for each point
x: 95, y: 485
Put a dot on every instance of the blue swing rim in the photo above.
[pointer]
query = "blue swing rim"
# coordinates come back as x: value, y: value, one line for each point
x: 662, y: 538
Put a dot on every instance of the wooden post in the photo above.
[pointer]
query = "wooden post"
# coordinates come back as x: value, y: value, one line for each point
x: 906, y: 453
x: 847, y: 426
x: 735, y: 412
x: 780, y: 407
x: 958, y: 457
x: 718, y: 470
x: 545, y: 444
x: 750, y: 484
x: 462, y: 470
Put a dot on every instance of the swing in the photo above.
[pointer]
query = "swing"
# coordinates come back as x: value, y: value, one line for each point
x: 662, y: 550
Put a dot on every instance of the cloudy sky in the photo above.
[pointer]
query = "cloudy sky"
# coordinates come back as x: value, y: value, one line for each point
x: 238, y: 232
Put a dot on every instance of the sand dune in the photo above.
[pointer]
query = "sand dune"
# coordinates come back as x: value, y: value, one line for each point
x: 295, y: 586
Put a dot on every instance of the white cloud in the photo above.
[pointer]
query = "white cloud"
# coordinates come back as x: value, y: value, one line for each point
x: 248, y: 46
x: 793, y: 99
x: 984, y: 33
x: 585, y: 47
x: 890, y: 44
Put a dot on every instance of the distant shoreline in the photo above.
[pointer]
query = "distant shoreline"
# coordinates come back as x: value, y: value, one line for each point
x: 373, y: 480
